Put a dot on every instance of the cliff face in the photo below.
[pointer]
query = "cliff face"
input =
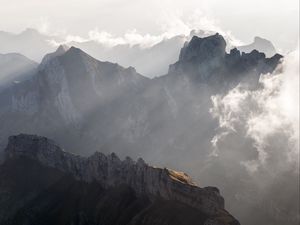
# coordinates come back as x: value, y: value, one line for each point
x: 110, y: 173
x: 205, y: 60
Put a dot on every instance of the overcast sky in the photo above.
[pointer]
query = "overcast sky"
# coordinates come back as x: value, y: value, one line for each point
x: 277, y: 20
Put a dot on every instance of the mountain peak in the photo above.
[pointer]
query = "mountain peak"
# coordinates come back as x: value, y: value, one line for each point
x: 205, y: 60
x: 77, y: 53
x: 62, y: 49
x: 202, y: 49
x: 75, y: 50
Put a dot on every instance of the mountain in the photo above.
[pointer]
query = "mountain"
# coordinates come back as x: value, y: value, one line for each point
x: 206, y: 60
x: 69, y: 189
x: 260, y: 44
x: 29, y: 42
x: 87, y: 105
x: 68, y: 85
x: 84, y: 103
x: 15, y: 67
x: 151, y: 61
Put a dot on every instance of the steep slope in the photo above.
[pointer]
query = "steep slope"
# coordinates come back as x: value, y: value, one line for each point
x: 87, y: 105
x: 151, y: 61
x: 29, y: 42
x: 84, y: 103
x: 106, y: 189
x: 206, y: 60
x: 68, y: 86
x: 15, y: 67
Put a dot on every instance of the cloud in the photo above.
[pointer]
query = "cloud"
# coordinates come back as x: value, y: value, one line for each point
x: 268, y: 116
x: 172, y: 24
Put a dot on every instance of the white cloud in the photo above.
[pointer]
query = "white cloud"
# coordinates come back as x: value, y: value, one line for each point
x: 171, y: 25
x: 269, y: 116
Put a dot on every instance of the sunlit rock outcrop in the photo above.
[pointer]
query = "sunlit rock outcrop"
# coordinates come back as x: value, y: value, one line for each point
x: 110, y: 172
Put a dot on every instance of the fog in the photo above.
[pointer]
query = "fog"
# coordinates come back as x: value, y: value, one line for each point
x: 263, y: 124
x: 240, y: 137
x: 275, y: 20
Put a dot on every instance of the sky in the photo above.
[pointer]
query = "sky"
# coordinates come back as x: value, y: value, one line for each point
x: 276, y: 20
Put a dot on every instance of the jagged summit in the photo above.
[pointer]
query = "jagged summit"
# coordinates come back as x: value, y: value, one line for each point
x: 74, y: 50
x: 205, y: 59
x: 62, y: 49
x: 48, y: 152
x: 111, y: 171
x: 104, y: 183
x: 203, y: 49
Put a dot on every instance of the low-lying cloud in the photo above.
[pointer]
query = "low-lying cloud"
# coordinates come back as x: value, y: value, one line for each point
x: 172, y: 24
x: 264, y: 115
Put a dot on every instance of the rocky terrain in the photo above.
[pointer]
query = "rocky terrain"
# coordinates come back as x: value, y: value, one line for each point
x: 87, y: 105
x: 100, y: 101
x: 151, y: 61
x: 36, y: 174
x: 205, y: 60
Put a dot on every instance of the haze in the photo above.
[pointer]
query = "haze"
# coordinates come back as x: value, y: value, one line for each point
x: 275, y: 20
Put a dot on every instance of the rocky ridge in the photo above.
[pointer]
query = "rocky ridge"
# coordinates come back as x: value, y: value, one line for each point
x: 110, y: 171
x: 205, y: 59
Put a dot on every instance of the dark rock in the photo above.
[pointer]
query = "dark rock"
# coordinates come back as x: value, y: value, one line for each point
x: 99, y: 186
x: 206, y: 61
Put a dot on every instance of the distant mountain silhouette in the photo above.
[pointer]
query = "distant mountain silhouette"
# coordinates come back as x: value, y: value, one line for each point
x: 261, y: 45
x: 150, y: 61
x: 15, y: 67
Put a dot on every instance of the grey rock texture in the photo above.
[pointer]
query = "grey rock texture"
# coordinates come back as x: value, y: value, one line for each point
x: 86, y: 105
x: 111, y: 172
x: 205, y: 60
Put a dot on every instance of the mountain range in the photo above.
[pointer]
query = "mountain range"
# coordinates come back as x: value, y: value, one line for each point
x: 151, y: 60
x: 15, y: 67
x: 86, y: 105
x: 83, y: 102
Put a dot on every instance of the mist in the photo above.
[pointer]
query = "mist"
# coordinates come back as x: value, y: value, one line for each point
x: 227, y: 118
x: 263, y: 125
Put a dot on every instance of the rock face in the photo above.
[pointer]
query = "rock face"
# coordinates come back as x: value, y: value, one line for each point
x: 111, y: 172
x: 203, y: 49
x: 83, y: 103
x: 205, y: 60
x: 87, y: 105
